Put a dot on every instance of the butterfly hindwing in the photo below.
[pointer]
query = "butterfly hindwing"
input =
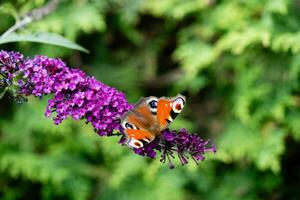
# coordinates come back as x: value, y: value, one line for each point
x: 137, y: 138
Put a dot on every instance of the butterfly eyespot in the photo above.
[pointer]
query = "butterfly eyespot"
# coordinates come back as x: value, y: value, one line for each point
x: 127, y: 125
x: 135, y: 143
x: 153, y: 104
x: 178, y: 104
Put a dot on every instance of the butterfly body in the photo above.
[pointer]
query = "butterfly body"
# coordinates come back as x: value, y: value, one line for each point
x: 149, y: 117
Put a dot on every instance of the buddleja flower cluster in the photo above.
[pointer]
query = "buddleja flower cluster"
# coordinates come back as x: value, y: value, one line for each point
x: 81, y: 96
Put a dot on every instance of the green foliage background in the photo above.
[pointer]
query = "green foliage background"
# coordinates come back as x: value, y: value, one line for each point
x: 238, y: 62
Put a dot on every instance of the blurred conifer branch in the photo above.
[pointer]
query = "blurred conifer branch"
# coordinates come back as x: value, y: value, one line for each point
x: 34, y: 15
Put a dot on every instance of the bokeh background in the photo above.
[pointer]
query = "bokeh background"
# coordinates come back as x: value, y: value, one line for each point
x: 238, y: 63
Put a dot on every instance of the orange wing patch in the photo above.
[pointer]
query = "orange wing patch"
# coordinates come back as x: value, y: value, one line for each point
x: 139, y: 134
x: 164, y: 108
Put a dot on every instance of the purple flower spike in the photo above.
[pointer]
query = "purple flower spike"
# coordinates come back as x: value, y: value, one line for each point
x: 75, y: 94
x: 182, y: 143
x: 81, y: 96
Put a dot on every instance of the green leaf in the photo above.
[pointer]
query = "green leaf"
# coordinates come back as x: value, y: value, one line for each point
x: 238, y: 142
x: 286, y: 42
x: 271, y: 149
x: 46, y: 38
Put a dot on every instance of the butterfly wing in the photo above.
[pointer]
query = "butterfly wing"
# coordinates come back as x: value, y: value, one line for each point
x: 168, y: 108
x: 149, y: 117
x: 138, y: 123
